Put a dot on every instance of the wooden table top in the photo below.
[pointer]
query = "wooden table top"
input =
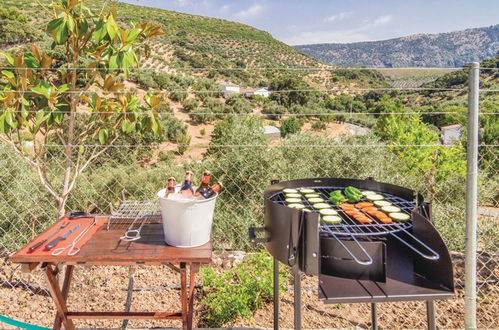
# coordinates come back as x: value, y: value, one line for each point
x: 103, y: 249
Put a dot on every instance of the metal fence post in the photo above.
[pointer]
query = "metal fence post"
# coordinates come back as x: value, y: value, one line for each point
x: 472, y: 197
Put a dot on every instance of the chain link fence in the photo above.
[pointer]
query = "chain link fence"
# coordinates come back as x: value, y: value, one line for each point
x: 121, y: 173
x: 246, y: 161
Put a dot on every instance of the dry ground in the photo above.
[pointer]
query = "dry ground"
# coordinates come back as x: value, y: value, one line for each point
x: 100, y: 288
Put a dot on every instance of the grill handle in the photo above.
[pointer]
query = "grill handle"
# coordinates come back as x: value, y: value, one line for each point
x: 432, y: 256
x: 252, y: 235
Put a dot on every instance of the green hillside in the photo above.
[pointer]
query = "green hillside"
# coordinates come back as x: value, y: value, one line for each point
x: 192, y: 42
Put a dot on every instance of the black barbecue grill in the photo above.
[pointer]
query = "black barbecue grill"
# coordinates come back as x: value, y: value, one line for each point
x: 355, y: 262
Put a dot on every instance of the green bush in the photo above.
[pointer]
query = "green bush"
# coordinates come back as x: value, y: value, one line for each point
x: 240, y: 291
x: 318, y: 125
x: 291, y: 125
x: 274, y: 110
x: 190, y: 104
x: 14, y: 27
x: 238, y: 104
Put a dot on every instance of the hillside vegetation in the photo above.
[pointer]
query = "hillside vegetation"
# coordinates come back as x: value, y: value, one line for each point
x: 213, y: 48
x: 452, y: 49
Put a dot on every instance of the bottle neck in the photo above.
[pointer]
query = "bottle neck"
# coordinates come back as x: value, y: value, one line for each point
x: 206, y: 180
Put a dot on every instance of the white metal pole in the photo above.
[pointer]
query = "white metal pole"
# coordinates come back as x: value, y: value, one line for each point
x: 472, y: 197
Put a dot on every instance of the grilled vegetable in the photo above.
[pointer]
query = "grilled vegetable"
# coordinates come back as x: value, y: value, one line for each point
x: 328, y: 212
x: 390, y: 209
x: 306, y: 210
x: 382, y: 203
x: 362, y: 205
x: 321, y: 206
x: 375, y: 197
x: 293, y: 200
x: 331, y: 219
x: 296, y: 206
x: 289, y: 191
x: 313, y: 195
x: 306, y: 191
x: 346, y: 206
x: 352, y: 194
x: 399, y: 216
x: 315, y: 200
x: 368, y: 192
x: 336, y: 197
x: 293, y: 195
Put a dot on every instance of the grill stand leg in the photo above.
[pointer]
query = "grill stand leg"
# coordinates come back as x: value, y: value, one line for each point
x: 276, y: 294
x: 430, y: 314
x: 374, y: 317
x: 297, y: 296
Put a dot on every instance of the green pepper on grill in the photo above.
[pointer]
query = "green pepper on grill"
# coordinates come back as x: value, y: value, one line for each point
x: 336, y: 197
x: 352, y: 194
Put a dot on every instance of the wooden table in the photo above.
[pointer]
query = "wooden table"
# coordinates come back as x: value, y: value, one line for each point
x: 103, y: 249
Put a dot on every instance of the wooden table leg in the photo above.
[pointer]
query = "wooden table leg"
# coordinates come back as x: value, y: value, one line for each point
x: 192, y: 283
x: 57, y: 296
x: 183, y: 287
x: 68, y: 275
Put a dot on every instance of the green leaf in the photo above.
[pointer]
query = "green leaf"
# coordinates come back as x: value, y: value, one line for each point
x: 8, y: 74
x: 31, y: 61
x: 81, y: 150
x: 9, y: 58
x: 111, y: 27
x: 154, y: 125
x: 103, y: 135
x: 132, y: 34
x: 59, y: 29
x: 3, y: 127
x: 39, y: 118
x: 100, y: 31
x: 8, y: 119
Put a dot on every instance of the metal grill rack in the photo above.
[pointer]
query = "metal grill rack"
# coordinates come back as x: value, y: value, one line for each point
x: 131, y: 217
x: 353, y: 230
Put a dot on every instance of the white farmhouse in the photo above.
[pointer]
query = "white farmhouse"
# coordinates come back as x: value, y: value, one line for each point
x: 263, y: 92
x: 451, y: 134
x: 229, y: 89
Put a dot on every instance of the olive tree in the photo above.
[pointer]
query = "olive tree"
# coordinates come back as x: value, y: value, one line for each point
x: 42, y: 102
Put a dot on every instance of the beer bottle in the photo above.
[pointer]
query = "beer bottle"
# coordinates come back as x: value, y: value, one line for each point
x: 205, y: 183
x: 211, y: 191
x: 170, y: 187
x: 186, y: 188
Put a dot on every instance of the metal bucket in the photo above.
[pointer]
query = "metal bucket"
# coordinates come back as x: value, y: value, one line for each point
x: 186, y: 223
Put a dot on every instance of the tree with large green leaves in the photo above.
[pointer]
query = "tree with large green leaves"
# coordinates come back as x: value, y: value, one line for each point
x: 44, y: 101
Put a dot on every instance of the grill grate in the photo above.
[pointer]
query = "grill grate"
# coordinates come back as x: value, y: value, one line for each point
x: 350, y: 226
x: 131, y: 217
x: 353, y: 230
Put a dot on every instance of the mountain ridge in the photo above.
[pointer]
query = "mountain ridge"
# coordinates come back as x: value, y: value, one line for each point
x: 448, y: 49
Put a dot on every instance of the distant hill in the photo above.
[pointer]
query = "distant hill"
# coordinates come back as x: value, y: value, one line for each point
x: 452, y: 49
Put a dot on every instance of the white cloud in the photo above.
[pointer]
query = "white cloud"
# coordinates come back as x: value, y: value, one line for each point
x: 337, y: 17
x: 317, y: 37
x: 224, y: 9
x: 340, y: 36
x: 381, y: 20
x: 249, y: 12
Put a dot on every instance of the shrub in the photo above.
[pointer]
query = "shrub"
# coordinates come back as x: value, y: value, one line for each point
x: 238, y: 104
x: 239, y: 291
x: 318, y: 125
x: 290, y: 125
x: 183, y: 141
x: 190, y: 104
x: 15, y: 27
x: 274, y: 110
x: 201, y: 115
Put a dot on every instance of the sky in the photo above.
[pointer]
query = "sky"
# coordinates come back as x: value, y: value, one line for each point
x: 329, y: 21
